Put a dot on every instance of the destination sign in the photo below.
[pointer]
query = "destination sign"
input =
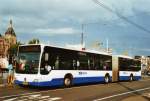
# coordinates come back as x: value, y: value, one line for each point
x: 34, y: 48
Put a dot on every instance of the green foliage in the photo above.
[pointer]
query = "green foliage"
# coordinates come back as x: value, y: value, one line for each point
x: 34, y: 41
x: 13, y: 49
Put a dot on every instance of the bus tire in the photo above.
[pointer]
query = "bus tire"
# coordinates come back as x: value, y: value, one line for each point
x: 67, y: 81
x: 107, y: 78
x: 131, y: 77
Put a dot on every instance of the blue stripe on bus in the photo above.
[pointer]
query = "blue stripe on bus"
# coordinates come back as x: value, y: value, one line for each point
x: 80, y: 80
x: 128, y: 78
x: 60, y: 81
x: 88, y: 80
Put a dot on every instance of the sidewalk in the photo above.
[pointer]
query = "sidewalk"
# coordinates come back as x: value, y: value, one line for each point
x: 3, y: 79
x: 2, y: 82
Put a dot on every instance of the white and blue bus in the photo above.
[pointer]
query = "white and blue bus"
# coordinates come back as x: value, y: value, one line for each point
x: 66, y: 66
x: 129, y: 68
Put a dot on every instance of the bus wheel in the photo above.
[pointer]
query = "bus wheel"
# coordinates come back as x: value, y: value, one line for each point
x: 67, y: 82
x: 106, y: 79
x: 131, y: 77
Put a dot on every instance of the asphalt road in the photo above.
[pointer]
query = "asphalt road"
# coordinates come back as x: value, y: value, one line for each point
x: 120, y: 91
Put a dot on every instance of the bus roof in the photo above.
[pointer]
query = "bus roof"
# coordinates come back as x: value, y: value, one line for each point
x: 86, y: 50
x: 124, y: 56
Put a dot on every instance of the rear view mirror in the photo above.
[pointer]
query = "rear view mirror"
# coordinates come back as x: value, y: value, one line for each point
x: 46, y: 56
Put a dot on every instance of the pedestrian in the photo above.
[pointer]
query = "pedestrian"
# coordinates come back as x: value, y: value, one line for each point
x: 10, y: 75
x: 4, y: 65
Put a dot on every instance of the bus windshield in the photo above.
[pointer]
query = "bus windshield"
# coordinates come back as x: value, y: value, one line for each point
x: 28, y: 62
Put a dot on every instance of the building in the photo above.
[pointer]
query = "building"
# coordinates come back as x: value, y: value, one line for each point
x: 7, y: 40
x: 4, y: 46
x: 145, y: 63
x: 10, y: 35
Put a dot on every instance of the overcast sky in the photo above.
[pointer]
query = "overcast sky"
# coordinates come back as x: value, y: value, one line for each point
x: 59, y: 22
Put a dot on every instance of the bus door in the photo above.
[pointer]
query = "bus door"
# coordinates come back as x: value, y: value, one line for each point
x: 115, y: 69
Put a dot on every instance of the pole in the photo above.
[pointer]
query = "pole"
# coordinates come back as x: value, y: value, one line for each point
x: 82, y: 35
x: 107, y: 44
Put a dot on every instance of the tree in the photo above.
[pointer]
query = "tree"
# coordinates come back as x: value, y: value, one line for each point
x: 34, y: 41
x: 12, y: 51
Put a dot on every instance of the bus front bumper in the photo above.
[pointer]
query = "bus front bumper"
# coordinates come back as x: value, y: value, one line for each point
x: 55, y: 82
x: 26, y: 83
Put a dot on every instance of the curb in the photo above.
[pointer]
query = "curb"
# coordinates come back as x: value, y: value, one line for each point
x: 6, y: 85
x: 145, y: 76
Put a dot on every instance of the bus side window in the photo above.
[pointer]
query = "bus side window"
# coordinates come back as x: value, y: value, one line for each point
x: 57, y: 63
x: 101, y: 65
x: 74, y: 64
x: 97, y: 62
x: 92, y: 64
x: 89, y: 67
x: 105, y: 66
x: 78, y: 64
x: 46, y: 56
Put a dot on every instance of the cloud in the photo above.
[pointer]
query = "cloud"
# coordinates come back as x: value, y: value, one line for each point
x: 57, y: 31
x: 42, y: 18
x: 80, y: 10
x: 29, y: 15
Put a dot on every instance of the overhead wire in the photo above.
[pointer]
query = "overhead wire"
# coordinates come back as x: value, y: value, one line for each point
x: 121, y: 16
x: 125, y: 19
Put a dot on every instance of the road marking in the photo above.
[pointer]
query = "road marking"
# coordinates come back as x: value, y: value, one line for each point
x: 37, y: 97
x: 19, y: 95
x: 34, y: 96
x: 53, y: 99
x: 147, y: 95
x: 12, y: 99
x: 43, y: 97
x: 45, y: 91
x: 108, y: 97
x: 57, y: 90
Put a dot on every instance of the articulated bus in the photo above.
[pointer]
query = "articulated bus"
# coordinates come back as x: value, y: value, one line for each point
x: 68, y: 67
x: 126, y: 68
